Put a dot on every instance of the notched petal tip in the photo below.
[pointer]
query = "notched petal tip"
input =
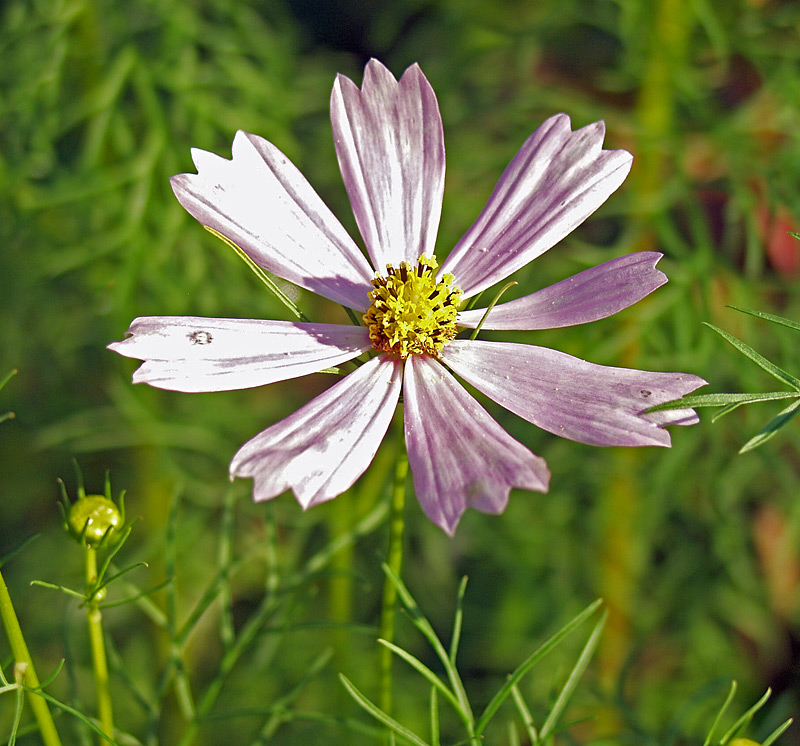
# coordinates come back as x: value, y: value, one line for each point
x: 684, y: 384
x: 590, y: 295
x: 569, y: 397
x: 460, y: 457
x: 595, y: 129
x: 556, y: 180
x: 322, y: 448
x: 390, y: 146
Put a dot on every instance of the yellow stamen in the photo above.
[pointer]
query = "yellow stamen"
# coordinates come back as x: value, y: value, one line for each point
x: 412, y: 313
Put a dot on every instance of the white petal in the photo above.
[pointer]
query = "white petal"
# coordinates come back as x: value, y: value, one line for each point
x: 261, y: 202
x: 590, y: 403
x: 189, y: 353
x: 557, y: 179
x: 320, y: 450
x: 459, y: 456
x: 588, y: 296
x: 390, y: 145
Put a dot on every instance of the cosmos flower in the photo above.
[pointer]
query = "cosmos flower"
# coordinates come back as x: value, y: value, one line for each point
x: 390, y: 146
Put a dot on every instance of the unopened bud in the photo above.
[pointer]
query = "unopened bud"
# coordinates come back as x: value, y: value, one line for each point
x: 93, y: 519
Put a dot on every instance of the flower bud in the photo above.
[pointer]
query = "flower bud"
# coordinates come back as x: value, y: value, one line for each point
x: 743, y: 742
x: 93, y: 520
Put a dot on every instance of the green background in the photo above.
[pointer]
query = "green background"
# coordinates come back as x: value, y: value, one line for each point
x: 694, y: 549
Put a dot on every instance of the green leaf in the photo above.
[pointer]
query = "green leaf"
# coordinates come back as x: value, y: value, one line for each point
x: 525, y: 714
x: 721, y: 712
x: 138, y: 597
x: 419, y: 620
x: 380, y: 715
x: 496, y: 298
x: 457, y: 620
x: 72, y: 711
x: 529, y: 663
x: 7, y: 377
x: 573, y: 679
x: 421, y: 668
x: 122, y: 572
x: 727, y: 400
x: 772, y: 737
x: 18, y: 705
x: 758, y: 359
x: 14, y: 552
x: 726, y: 410
x: 63, y: 588
x: 740, y: 724
x: 769, y: 317
x: 434, y: 711
x: 262, y: 275
x: 772, y: 427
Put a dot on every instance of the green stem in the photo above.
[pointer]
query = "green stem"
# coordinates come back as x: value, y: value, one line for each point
x: 99, y: 662
x: 41, y: 711
x: 395, y: 561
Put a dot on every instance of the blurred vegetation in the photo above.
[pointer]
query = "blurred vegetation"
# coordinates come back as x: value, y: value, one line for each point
x: 695, y: 549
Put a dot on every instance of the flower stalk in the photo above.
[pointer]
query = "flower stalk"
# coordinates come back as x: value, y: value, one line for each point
x: 94, y: 619
x: 394, y: 560
x: 19, y: 648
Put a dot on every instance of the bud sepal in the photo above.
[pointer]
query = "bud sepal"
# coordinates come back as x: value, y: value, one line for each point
x: 94, y: 521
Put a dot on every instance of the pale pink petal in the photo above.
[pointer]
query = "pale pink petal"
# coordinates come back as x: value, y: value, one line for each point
x: 588, y: 296
x: 320, y: 450
x: 390, y: 145
x: 189, y: 353
x: 459, y: 456
x: 556, y: 180
x: 569, y: 397
x: 261, y: 202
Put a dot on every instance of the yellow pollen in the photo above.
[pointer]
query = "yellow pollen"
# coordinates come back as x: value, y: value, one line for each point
x: 411, y: 313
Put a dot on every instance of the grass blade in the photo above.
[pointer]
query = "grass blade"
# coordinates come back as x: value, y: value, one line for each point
x: 724, y: 400
x: 525, y: 714
x: 457, y: 621
x: 421, y: 668
x: 434, y: 710
x: 771, y: 738
x: 419, y: 620
x: 262, y: 275
x: 380, y: 715
x: 746, y: 718
x: 771, y: 428
x: 769, y: 317
x: 529, y: 663
x: 16, y: 550
x: 721, y: 712
x: 757, y: 358
x: 573, y: 679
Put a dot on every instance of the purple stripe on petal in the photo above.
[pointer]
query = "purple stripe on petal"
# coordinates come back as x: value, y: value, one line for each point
x: 588, y: 296
x: 390, y: 146
x: 188, y: 353
x: 569, y: 397
x: 556, y: 180
x: 261, y: 202
x: 320, y: 450
x: 459, y: 456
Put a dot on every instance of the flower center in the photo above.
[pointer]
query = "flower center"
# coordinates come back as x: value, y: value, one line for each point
x: 411, y: 313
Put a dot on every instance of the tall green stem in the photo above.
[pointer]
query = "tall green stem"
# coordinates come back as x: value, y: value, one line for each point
x: 41, y: 711
x: 99, y: 662
x: 395, y: 561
